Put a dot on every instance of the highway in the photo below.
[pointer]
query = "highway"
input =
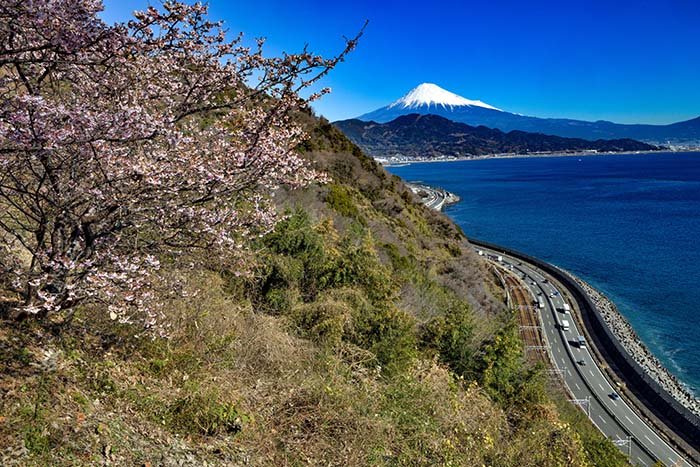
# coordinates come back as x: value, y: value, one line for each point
x: 434, y: 199
x: 437, y: 201
x: 585, y: 381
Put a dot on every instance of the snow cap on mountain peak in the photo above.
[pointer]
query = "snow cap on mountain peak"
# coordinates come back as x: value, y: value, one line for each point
x: 427, y: 94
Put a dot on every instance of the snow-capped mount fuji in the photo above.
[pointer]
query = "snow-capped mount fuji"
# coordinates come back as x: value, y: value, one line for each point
x: 430, y: 99
x: 429, y: 94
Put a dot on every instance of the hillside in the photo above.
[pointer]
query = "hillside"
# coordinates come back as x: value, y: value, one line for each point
x: 368, y: 334
x: 423, y: 136
x: 429, y: 99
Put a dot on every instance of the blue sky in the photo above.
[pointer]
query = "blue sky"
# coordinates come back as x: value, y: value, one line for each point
x: 619, y: 60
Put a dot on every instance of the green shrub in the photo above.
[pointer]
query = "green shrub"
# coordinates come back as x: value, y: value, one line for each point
x: 280, y: 300
x: 452, y: 336
x: 295, y: 236
x: 204, y: 413
x: 326, y: 321
x: 283, y: 271
x: 386, y: 331
x: 100, y: 380
x: 391, y: 336
x: 501, y: 369
x: 298, y: 256
x: 340, y: 199
x: 359, y: 265
x: 35, y: 439
x: 157, y: 366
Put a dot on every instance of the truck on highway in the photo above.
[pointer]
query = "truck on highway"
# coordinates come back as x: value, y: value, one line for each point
x: 564, y: 325
x: 540, y: 302
x: 499, y: 258
x: 567, y: 308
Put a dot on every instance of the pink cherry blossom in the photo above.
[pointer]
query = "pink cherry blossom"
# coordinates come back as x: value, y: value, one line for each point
x: 124, y: 146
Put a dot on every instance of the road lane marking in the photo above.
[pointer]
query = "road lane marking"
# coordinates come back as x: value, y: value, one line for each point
x: 548, y: 317
x: 602, y: 419
x: 601, y: 387
x: 577, y: 386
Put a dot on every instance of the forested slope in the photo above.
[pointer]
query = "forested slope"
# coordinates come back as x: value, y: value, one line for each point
x: 369, y: 334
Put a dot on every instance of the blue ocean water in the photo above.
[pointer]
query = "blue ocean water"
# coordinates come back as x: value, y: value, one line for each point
x: 627, y: 224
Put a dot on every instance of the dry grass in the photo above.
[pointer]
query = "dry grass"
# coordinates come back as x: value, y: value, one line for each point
x: 101, y: 397
x: 235, y: 386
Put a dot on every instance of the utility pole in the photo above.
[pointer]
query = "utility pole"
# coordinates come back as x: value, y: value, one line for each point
x: 585, y: 404
x: 621, y: 442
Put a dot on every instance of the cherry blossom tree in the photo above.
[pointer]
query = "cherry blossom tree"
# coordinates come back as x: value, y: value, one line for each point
x: 124, y: 146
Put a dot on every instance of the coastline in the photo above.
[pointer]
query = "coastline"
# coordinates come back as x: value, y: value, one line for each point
x: 636, y: 348
x: 434, y: 198
x: 666, y: 417
x: 405, y: 162
x: 632, y: 344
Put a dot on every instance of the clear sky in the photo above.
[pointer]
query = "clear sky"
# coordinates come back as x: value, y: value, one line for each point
x: 620, y: 60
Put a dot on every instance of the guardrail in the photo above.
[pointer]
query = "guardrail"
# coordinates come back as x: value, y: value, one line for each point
x: 684, y: 423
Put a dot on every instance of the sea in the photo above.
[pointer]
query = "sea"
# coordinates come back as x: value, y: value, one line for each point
x: 627, y: 224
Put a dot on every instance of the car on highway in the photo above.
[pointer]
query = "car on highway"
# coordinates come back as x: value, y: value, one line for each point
x: 581, y: 362
x: 614, y: 396
x: 564, y: 325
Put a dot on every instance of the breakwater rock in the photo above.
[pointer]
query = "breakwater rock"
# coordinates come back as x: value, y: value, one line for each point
x: 637, y: 350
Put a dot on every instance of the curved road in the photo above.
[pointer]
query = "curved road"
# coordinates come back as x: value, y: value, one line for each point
x: 582, y: 376
x: 435, y: 199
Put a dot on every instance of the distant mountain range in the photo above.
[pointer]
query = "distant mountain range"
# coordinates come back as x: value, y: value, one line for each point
x: 417, y: 135
x: 429, y: 98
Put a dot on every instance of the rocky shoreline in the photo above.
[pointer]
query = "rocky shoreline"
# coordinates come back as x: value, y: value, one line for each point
x: 625, y: 335
x: 638, y: 351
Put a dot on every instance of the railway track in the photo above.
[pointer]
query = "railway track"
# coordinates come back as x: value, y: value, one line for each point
x: 528, y: 320
x: 573, y: 365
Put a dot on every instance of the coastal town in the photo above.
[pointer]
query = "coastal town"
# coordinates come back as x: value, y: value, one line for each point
x: 400, y: 160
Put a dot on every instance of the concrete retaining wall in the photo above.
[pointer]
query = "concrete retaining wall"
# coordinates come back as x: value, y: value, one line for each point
x: 658, y: 401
